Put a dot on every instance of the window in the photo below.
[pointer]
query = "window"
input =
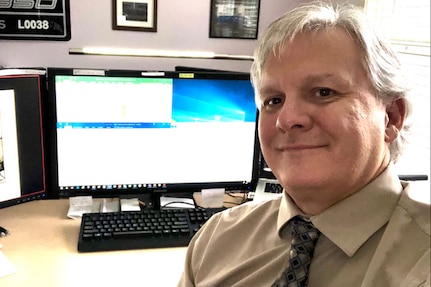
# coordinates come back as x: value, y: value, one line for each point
x: 407, y: 24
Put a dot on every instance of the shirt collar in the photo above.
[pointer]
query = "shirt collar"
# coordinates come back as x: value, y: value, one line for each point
x: 352, y: 221
x: 287, y: 211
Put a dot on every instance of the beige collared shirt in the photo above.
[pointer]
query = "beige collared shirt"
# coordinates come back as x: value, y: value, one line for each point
x: 379, y: 236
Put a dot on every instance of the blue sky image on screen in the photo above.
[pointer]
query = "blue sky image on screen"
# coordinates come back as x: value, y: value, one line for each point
x: 222, y: 101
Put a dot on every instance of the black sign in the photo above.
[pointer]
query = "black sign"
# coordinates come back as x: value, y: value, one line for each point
x: 35, y: 20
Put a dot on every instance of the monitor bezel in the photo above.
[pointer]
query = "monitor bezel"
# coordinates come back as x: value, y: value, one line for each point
x: 25, y: 141
x: 181, y: 188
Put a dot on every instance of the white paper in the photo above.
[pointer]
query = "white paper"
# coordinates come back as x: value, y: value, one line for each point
x: 6, y: 267
x: 78, y: 205
x: 80, y: 201
x: 130, y: 204
x: 213, y: 197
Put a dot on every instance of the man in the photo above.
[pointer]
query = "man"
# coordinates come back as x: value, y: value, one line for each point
x: 333, y: 108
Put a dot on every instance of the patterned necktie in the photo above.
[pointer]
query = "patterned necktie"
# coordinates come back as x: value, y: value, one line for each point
x: 304, y: 237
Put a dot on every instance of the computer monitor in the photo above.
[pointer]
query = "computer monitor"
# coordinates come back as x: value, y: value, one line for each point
x: 22, y: 161
x: 198, y: 69
x: 119, y: 133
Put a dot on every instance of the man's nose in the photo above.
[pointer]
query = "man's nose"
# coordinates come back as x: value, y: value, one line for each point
x: 294, y: 115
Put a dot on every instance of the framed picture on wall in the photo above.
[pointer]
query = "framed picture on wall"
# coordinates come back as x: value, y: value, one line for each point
x: 234, y: 19
x: 134, y: 15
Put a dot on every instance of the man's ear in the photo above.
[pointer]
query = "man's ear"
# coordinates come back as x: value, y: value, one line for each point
x: 395, y: 115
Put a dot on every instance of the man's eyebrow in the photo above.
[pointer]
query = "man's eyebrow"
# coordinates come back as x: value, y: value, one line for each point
x: 337, y: 79
x: 270, y: 86
x: 319, y: 77
x: 269, y: 90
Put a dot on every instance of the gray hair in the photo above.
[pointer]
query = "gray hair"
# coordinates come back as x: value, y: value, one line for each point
x: 380, y: 61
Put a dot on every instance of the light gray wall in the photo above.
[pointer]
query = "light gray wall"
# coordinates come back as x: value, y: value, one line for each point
x: 182, y: 25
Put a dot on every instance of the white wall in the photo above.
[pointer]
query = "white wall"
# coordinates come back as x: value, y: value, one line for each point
x: 182, y: 25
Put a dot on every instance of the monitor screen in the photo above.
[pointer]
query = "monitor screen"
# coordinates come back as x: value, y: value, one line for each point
x: 117, y: 132
x: 22, y: 161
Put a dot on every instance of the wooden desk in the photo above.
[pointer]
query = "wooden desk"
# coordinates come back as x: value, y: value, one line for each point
x: 43, y: 247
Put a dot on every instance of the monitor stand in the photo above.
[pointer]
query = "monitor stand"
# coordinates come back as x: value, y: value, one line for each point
x: 152, y: 200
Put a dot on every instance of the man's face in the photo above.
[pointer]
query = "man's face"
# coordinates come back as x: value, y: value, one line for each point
x: 321, y: 128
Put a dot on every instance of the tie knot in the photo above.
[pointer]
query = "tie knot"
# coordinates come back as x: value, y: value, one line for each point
x: 304, y: 234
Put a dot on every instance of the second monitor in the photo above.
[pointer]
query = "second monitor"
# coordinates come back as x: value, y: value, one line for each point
x: 122, y: 132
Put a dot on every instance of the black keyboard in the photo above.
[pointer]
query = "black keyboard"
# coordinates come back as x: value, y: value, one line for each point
x: 148, y: 228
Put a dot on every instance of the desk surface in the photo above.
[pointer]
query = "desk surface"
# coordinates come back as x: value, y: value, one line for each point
x: 43, y: 247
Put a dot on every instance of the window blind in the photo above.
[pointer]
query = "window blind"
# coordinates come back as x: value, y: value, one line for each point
x: 406, y: 23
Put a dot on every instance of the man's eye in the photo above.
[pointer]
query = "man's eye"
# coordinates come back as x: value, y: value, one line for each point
x: 324, y: 92
x: 273, y: 101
